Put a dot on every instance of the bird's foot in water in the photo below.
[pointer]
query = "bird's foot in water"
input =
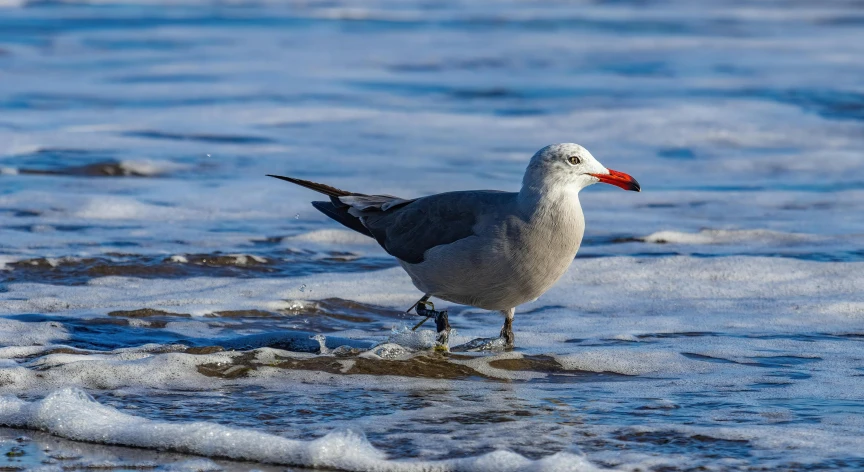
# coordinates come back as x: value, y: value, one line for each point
x: 442, y: 323
x: 507, y: 334
x: 504, y: 342
x: 482, y: 345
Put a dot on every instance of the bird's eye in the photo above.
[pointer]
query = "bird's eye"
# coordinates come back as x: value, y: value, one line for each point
x: 574, y: 160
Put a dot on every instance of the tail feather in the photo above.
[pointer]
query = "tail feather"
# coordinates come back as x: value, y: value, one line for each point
x: 340, y: 214
x: 334, y: 208
x: 321, y: 188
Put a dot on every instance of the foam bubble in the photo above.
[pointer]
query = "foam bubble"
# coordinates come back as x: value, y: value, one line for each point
x: 416, y: 340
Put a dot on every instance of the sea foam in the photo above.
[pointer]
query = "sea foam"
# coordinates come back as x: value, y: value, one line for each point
x: 73, y: 414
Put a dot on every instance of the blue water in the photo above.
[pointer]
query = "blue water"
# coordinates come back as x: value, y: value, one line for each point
x: 713, y: 320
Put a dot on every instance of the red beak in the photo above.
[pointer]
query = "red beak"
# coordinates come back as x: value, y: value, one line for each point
x: 619, y: 179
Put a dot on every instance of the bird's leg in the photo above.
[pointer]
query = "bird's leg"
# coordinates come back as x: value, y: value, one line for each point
x: 507, y: 330
x: 442, y: 323
x: 422, y: 300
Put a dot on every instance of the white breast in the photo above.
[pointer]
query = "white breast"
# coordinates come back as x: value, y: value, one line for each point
x: 508, y: 262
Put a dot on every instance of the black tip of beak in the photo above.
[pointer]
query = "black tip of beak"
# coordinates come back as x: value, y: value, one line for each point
x: 620, y: 180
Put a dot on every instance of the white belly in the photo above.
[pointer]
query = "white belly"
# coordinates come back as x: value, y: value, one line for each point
x: 501, y: 269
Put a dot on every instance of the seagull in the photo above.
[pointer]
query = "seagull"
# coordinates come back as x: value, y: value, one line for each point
x: 485, y: 248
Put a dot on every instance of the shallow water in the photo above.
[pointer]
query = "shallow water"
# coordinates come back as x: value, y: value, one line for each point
x: 159, y: 295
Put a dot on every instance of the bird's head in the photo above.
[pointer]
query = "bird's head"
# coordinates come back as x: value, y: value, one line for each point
x: 571, y: 165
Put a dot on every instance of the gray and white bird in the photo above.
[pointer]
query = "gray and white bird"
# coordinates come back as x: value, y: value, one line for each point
x: 489, y: 249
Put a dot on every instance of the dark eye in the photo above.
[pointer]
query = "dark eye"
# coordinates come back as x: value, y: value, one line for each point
x: 574, y: 160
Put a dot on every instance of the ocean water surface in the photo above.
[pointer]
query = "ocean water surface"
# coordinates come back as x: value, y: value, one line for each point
x: 165, y: 306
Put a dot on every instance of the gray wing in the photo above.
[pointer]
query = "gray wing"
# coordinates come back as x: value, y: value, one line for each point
x: 410, y: 228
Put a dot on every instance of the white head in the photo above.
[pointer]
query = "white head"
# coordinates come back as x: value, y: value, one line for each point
x: 571, y: 165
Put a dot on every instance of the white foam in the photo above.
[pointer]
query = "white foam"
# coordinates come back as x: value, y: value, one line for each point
x: 112, y: 370
x: 126, y: 208
x: 202, y: 295
x: 193, y: 465
x: 73, y: 414
x: 719, y: 236
x: 629, y: 362
x: 150, y: 167
x: 243, y: 259
x: 17, y: 333
x: 11, y: 352
x: 332, y: 236
x: 483, y: 365
x: 6, y: 259
x: 389, y: 351
x: 417, y: 340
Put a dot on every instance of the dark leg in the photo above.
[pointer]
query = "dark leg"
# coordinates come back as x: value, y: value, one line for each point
x: 442, y: 323
x: 507, y: 330
x: 422, y: 300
